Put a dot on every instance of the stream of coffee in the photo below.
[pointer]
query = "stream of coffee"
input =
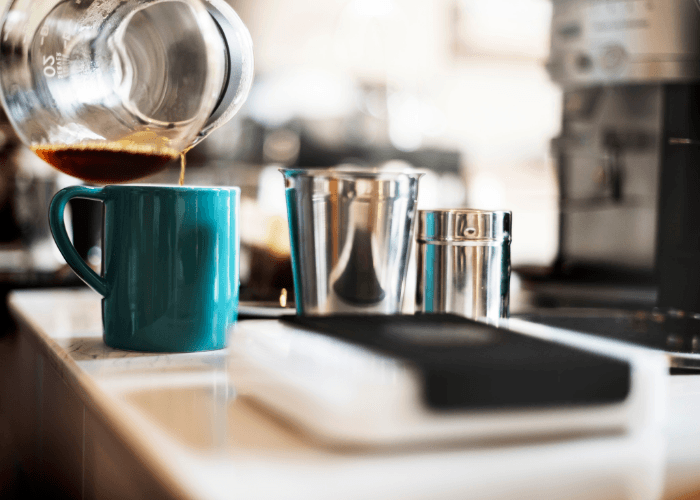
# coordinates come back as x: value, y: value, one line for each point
x: 183, y: 162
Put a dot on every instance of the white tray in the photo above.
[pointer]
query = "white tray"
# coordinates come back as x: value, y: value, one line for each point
x: 342, y: 394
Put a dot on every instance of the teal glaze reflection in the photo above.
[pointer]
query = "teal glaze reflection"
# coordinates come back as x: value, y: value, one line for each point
x: 290, y: 194
x: 170, y: 264
x: 431, y: 258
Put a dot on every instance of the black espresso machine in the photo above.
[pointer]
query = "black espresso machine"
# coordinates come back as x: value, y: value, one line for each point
x: 628, y: 161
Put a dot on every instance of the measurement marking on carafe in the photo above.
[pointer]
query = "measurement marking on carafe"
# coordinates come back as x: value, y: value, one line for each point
x: 49, y: 70
x: 44, y: 33
x: 59, y: 65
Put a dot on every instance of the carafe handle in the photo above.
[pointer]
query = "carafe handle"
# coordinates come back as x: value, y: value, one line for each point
x: 60, y: 235
x: 239, y: 65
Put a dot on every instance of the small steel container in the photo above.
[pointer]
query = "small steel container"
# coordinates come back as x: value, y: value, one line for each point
x: 464, y: 263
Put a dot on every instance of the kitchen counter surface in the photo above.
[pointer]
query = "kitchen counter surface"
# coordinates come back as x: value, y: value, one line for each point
x: 107, y: 423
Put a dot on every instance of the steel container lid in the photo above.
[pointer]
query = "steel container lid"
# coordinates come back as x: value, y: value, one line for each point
x: 464, y: 225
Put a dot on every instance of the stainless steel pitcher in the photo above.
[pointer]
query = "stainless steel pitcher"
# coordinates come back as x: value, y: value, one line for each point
x: 351, y: 233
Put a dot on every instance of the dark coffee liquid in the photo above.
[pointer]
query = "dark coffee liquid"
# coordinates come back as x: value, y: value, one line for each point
x: 106, y: 163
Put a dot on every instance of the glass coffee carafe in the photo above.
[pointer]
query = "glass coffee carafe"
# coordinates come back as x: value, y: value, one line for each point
x: 111, y: 90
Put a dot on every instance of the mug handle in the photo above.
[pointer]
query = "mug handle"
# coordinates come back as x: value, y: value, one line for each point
x: 60, y: 235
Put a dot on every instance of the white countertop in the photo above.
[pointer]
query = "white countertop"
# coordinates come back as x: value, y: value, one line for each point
x: 181, y: 415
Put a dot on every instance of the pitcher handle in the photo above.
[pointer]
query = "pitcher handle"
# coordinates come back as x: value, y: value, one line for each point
x: 60, y: 235
x: 239, y: 74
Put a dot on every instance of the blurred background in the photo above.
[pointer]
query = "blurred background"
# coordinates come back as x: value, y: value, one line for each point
x: 456, y: 87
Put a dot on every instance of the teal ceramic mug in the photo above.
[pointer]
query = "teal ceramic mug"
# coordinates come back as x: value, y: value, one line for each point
x: 170, y: 258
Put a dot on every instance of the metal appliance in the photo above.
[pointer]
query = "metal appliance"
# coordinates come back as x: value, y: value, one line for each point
x: 628, y: 160
x: 630, y: 71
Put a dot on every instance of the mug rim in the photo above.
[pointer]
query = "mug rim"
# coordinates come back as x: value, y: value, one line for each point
x: 171, y: 187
